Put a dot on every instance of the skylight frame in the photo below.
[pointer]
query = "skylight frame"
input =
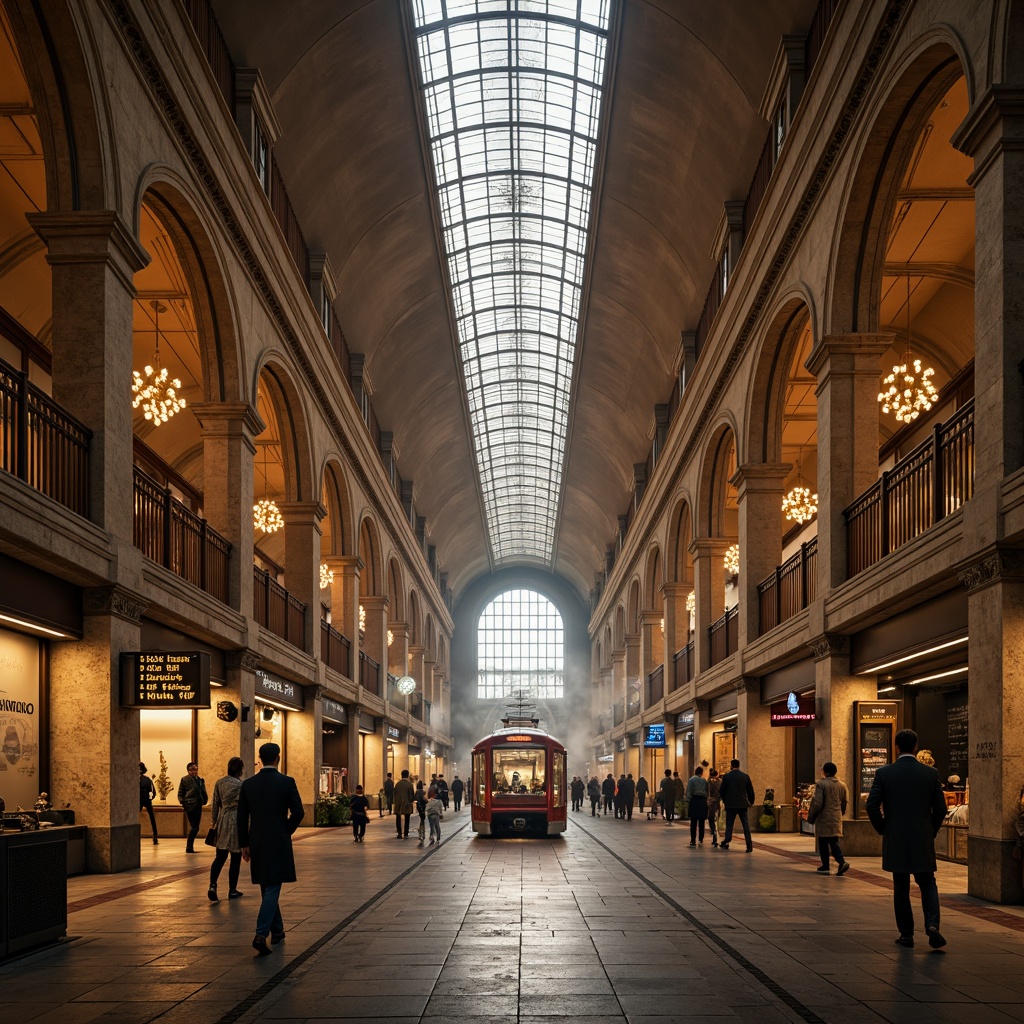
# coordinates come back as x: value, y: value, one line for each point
x: 514, y: 197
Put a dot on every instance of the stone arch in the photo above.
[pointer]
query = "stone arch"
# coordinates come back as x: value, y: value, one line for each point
x: 678, y: 558
x: 371, y: 575
x: 633, y: 606
x: 429, y: 638
x: 338, y: 537
x: 395, y: 592
x: 716, y: 496
x: 654, y: 577
x: 288, y: 406
x: 415, y: 628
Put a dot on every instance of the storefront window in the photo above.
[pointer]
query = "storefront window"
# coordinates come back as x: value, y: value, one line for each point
x: 165, y: 747
x: 269, y: 729
x: 518, y: 771
x: 19, y: 720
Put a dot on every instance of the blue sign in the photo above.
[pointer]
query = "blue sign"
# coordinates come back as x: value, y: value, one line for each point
x: 654, y: 735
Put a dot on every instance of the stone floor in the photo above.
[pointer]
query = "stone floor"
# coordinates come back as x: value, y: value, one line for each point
x: 618, y: 921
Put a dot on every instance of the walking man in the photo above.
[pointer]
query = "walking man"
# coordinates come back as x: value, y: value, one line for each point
x: 404, y: 794
x: 269, y: 811
x: 457, y: 790
x: 642, y: 790
x: 608, y: 791
x: 192, y: 797
x: 828, y: 805
x: 389, y: 792
x: 146, y: 793
x: 737, y: 794
x: 906, y: 807
x: 667, y: 794
x: 628, y: 788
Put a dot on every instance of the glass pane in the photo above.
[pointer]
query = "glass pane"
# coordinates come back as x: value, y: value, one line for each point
x: 512, y: 94
x: 518, y: 771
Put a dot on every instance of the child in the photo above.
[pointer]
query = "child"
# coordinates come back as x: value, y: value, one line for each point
x: 358, y: 806
x: 421, y: 809
x: 434, y: 808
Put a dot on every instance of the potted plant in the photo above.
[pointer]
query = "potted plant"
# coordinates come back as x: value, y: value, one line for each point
x: 766, y: 820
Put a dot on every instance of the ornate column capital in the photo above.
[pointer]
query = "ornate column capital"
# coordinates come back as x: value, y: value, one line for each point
x: 1001, y: 565
x: 243, y: 658
x: 116, y: 601
x: 229, y: 419
x: 849, y: 353
x: 829, y: 645
x: 760, y: 477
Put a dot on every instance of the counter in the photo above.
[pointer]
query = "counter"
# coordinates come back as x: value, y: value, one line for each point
x: 33, y: 888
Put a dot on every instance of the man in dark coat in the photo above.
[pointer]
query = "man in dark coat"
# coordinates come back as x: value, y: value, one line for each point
x: 642, y: 789
x: 737, y: 794
x: 457, y: 790
x: 627, y: 789
x: 389, y: 792
x: 608, y: 791
x: 404, y: 795
x: 269, y: 811
x: 620, y: 796
x: 906, y: 807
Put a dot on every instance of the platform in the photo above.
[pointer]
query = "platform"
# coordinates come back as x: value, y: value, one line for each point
x: 617, y: 921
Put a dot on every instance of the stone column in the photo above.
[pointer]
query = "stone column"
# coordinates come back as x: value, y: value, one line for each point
x: 759, y: 493
x: 354, y: 766
x: 634, y: 671
x: 652, y: 653
x: 302, y: 563
x: 94, y: 742
x: 709, y: 584
x: 94, y: 256
x: 760, y: 748
x: 417, y: 668
x: 398, y: 652
x: 219, y: 740
x: 995, y: 616
x: 229, y: 432
x: 374, y: 640
x: 677, y: 625
x: 846, y: 366
x: 305, y: 748
x: 345, y: 605
x: 618, y: 690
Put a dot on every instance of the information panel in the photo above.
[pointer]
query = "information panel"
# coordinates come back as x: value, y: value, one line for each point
x: 876, y: 724
x: 165, y: 679
x: 654, y: 735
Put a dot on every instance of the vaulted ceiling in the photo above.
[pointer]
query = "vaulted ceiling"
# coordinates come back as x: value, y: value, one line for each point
x: 682, y: 135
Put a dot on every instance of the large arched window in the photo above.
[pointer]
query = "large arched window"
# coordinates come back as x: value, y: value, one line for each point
x: 520, y: 646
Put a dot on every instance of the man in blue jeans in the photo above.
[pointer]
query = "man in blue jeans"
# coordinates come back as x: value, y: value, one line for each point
x: 269, y: 811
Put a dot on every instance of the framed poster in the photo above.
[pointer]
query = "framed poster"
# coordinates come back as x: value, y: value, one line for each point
x: 724, y: 750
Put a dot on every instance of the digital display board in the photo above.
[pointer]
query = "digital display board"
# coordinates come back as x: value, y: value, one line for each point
x: 654, y: 735
x: 165, y: 679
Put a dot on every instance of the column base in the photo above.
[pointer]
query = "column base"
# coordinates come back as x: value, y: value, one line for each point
x: 992, y: 872
x: 113, y: 849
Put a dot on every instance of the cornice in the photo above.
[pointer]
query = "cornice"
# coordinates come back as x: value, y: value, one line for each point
x: 115, y: 601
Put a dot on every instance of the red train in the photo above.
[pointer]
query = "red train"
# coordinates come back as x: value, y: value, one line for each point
x: 519, y: 784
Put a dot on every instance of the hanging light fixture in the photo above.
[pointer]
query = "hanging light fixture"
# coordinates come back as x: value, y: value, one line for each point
x: 154, y: 389
x: 800, y: 505
x: 691, y: 602
x: 391, y: 637
x: 731, y: 559
x: 326, y: 576
x: 908, y: 389
x: 362, y: 619
x: 266, y: 516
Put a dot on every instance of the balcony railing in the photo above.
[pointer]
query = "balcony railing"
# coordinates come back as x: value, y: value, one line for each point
x: 41, y: 444
x: 656, y: 685
x: 277, y: 610
x: 790, y: 588
x: 935, y: 479
x: 369, y: 673
x: 165, y: 531
x: 335, y: 649
x: 723, y: 635
x: 200, y: 13
x: 683, y: 661
x: 416, y: 707
x: 619, y: 712
x: 634, y: 707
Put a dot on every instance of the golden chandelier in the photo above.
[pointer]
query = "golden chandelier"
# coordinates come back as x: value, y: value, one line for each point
x: 154, y: 389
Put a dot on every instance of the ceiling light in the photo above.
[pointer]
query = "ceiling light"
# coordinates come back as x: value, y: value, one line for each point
x: 908, y: 389
x: 691, y: 602
x: 731, y: 559
x: 800, y: 505
x: 886, y: 689
x: 25, y: 624
x: 391, y: 637
x: 266, y: 516
x: 874, y: 669
x: 958, y: 671
x: 326, y: 576
x: 154, y: 390
x: 362, y: 619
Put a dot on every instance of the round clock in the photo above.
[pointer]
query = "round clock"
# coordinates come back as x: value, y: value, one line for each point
x: 406, y: 685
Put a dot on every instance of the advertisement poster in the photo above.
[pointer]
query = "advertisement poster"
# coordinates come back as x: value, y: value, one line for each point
x: 19, y: 720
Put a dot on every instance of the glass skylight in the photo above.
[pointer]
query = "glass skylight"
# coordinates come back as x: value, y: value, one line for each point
x: 512, y: 93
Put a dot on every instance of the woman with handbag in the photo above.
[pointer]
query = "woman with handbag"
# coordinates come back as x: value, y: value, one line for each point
x: 224, y: 831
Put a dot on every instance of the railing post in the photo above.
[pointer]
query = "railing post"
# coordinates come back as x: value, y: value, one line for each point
x: 21, y: 453
x: 883, y: 512
x: 938, y: 494
x: 167, y: 528
x: 202, y: 555
x: 803, y: 575
x: 778, y: 595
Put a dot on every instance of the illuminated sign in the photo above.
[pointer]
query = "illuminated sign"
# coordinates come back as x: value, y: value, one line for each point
x: 794, y: 710
x: 165, y: 679
x: 520, y: 739
x: 654, y: 735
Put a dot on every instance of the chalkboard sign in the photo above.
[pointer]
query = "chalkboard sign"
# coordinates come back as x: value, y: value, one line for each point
x: 165, y: 679
x: 956, y: 726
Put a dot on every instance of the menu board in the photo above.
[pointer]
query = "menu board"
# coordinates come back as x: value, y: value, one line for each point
x: 956, y: 724
x: 724, y: 750
x: 875, y: 751
x: 165, y: 679
x: 876, y: 723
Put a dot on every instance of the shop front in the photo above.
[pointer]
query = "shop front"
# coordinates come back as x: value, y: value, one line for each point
x: 334, y: 730
x: 686, y: 752
x: 655, y: 746
x: 416, y: 760
x: 371, y: 753
x: 279, y: 702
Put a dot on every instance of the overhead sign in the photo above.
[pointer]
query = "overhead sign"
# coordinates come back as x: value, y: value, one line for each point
x: 794, y: 710
x: 684, y: 720
x: 165, y: 679
x: 654, y: 735
x: 394, y: 733
x: 335, y: 712
x: 280, y: 691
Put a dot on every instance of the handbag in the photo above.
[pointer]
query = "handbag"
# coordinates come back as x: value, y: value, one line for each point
x: 211, y: 837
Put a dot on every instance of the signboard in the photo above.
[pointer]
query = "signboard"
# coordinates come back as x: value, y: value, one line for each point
x: 684, y: 721
x: 724, y: 750
x: 794, y: 710
x: 280, y: 691
x: 414, y: 740
x: 875, y: 725
x: 393, y: 732
x: 21, y: 731
x: 654, y: 735
x: 165, y: 679
x: 367, y: 723
x: 334, y: 712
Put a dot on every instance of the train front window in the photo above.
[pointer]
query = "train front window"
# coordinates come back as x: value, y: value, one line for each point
x: 518, y: 771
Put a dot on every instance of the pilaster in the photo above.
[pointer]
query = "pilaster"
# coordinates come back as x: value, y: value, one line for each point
x: 709, y: 587
x: 302, y: 563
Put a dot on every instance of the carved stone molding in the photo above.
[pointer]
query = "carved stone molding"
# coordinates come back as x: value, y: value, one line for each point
x: 114, y: 601
x: 748, y: 684
x: 829, y: 645
x: 1004, y: 565
x: 242, y: 658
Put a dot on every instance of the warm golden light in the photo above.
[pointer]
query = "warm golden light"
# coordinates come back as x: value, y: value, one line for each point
x: 800, y: 505
x: 391, y: 638
x: 154, y: 390
x: 731, y: 559
x: 362, y: 619
x: 266, y: 516
x: 326, y: 576
x: 908, y: 390
x: 691, y: 602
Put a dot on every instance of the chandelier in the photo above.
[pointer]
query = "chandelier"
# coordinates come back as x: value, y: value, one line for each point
x: 391, y: 637
x: 362, y: 619
x: 731, y: 559
x: 800, y: 505
x: 326, y: 576
x: 691, y: 602
x: 154, y: 389
x: 908, y: 389
x: 266, y: 516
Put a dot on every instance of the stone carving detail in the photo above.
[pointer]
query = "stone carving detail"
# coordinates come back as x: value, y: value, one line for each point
x: 1000, y: 565
x: 114, y: 601
x: 829, y: 645
x: 244, y: 658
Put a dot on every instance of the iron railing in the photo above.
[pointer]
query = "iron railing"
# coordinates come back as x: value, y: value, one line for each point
x: 41, y: 444
x: 683, y: 661
x: 277, y: 610
x: 335, y: 649
x: 200, y: 14
x: 369, y: 673
x: 618, y: 712
x: 790, y: 588
x: 935, y: 479
x: 723, y: 635
x: 656, y: 685
x: 167, y: 532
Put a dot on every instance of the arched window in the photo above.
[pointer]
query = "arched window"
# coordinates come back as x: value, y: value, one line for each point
x: 520, y: 646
